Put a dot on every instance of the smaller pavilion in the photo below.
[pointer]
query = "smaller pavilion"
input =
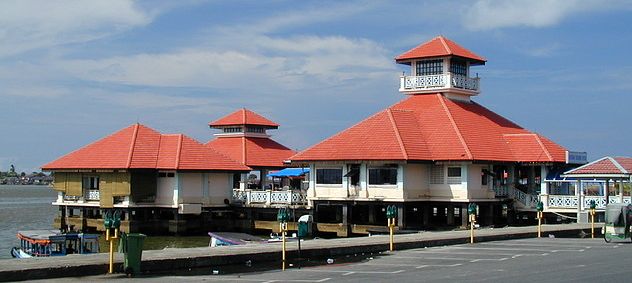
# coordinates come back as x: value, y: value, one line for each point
x: 606, y: 180
x: 244, y: 138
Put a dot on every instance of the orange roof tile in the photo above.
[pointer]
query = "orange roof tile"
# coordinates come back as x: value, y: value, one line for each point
x: 252, y: 151
x: 437, y: 47
x: 140, y: 147
x: 433, y: 127
x: 605, y: 165
x: 243, y: 117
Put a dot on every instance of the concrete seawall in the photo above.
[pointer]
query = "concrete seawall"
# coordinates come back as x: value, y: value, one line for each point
x: 191, y: 258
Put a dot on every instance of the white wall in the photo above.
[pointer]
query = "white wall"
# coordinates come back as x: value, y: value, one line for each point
x: 164, y: 192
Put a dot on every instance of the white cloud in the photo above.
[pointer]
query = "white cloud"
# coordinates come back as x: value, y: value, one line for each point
x: 494, y: 14
x: 30, y: 24
x: 273, y: 63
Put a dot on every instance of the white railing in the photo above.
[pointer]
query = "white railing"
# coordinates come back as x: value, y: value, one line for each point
x: 566, y: 201
x: 501, y: 191
x: 527, y: 200
x: 287, y: 197
x: 441, y: 81
x: 92, y: 195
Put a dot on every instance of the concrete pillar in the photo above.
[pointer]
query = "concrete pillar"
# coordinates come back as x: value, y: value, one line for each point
x: 544, y: 187
x: 345, y: 214
x: 621, y: 191
x: 531, y: 179
x: 243, y: 181
x: 401, y: 216
x: 464, y: 215
x: 607, y: 191
x: 450, y: 219
x: 489, y: 217
x: 579, y: 200
x: 426, y: 214
x: 372, y: 215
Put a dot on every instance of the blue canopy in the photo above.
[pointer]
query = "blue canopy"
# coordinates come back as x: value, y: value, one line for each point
x: 290, y: 172
x: 554, y: 176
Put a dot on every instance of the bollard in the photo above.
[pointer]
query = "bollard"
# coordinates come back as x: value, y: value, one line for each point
x: 539, y: 207
x: 111, y: 220
x: 283, y: 216
x: 391, y: 214
x: 593, y: 206
x: 471, y: 210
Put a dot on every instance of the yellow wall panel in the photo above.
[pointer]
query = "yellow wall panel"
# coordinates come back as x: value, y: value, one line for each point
x: 60, y: 182
x: 73, y: 184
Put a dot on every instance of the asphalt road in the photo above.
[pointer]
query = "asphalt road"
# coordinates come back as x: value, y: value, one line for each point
x: 527, y: 260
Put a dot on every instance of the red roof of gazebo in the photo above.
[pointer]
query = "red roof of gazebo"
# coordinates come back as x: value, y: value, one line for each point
x: 438, y: 47
x: 605, y: 166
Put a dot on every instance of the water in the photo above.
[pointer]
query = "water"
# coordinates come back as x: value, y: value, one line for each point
x: 29, y: 208
x: 24, y: 208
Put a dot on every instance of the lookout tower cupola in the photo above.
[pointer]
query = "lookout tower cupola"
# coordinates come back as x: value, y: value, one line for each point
x: 243, y: 122
x: 440, y: 65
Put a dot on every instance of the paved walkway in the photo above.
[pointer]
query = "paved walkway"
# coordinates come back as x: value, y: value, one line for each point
x: 188, y: 258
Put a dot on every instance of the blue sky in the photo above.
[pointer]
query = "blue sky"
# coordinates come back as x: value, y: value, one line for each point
x: 72, y: 72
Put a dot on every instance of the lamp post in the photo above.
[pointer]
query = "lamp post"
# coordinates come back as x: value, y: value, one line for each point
x: 391, y: 215
x: 112, y: 220
x: 593, y: 206
x: 471, y: 211
x: 283, y: 216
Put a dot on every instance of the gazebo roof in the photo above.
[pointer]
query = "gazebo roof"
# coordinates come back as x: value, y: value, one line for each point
x: 604, y: 167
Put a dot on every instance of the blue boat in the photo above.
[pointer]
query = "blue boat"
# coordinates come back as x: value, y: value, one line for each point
x: 45, y: 243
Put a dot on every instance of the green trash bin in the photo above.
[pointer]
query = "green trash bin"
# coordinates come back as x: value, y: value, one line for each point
x: 132, y: 246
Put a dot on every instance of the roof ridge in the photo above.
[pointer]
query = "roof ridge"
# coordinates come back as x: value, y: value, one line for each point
x: 244, y: 151
x: 445, y: 44
x: 396, y: 129
x: 178, y: 152
x: 546, y: 150
x: 616, y: 164
x: 456, y: 129
x: 158, y: 151
x: 132, y: 145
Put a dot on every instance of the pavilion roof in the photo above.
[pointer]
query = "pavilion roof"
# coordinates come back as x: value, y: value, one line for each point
x: 433, y: 127
x: 439, y: 47
x: 604, y: 166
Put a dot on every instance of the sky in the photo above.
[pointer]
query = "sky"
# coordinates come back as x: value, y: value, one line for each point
x: 72, y: 72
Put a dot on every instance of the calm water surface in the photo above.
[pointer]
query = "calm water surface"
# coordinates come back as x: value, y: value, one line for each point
x: 29, y: 208
x: 24, y: 208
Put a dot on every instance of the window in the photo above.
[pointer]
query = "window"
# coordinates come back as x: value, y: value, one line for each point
x: 255, y: 130
x: 454, y: 175
x: 436, y: 174
x: 484, y: 177
x: 233, y: 130
x: 166, y: 174
x: 454, y: 172
x: 429, y: 67
x: 90, y: 183
x: 458, y: 67
x: 383, y: 175
x: 329, y: 176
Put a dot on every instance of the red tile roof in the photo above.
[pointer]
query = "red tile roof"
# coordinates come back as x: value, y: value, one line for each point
x: 433, y: 127
x: 140, y: 147
x: 605, y: 165
x: 253, y: 151
x: 243, y: 117
x: 438, y: 47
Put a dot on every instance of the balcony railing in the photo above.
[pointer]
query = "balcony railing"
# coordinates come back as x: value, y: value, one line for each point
x: 569, y: 201
x: 92, y: 195
x: 287, y: 197
x: 439, y: 82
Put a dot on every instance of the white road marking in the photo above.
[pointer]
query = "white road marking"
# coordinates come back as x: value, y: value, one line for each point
x: 452, y: 252
x: 450, y: 258
x: 353, y: 271
x: 270, y: 280
x: 439, y: 265
x: 534, y: 245
x: 517, y: 249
